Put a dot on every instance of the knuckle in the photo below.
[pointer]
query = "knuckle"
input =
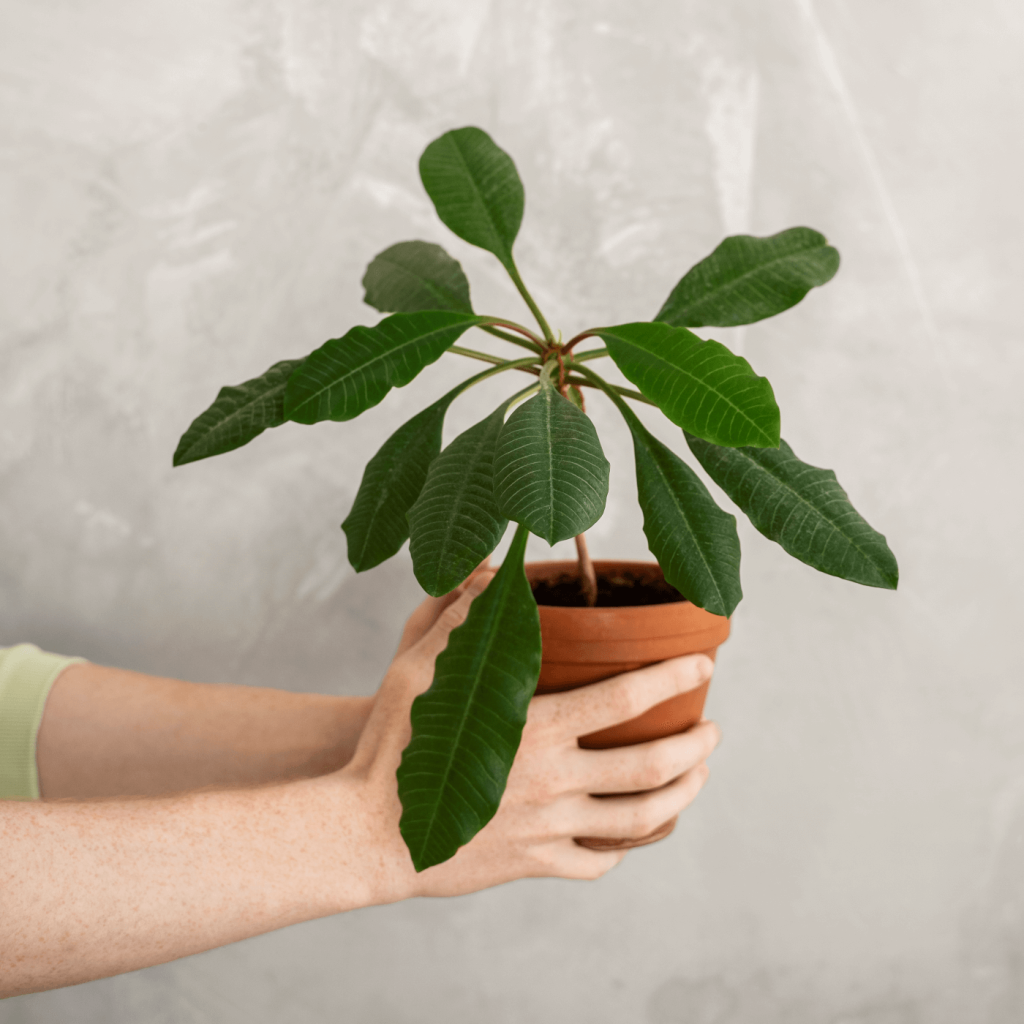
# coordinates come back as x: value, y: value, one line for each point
x: 453, y: 616
x: 626, y: 700
x: 692, y: 670
x: 705, y: 667
x: 645, y: 819
x: 658, y: 768
x: 544, y: 790
x: 544, y: 861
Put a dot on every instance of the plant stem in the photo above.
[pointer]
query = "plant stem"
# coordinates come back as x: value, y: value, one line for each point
x: 513, y: 272
x: 512, y: 364
x: 588, y: 577
x: 486, y: 357
x: 519, y: 396
x: 532, y: 346
x: 580, y: 382
x: 594, y: 353
x: 535, y: 343
x: 573, y: 342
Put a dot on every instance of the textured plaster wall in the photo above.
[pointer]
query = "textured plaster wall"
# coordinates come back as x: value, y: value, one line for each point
x: 190, y: 191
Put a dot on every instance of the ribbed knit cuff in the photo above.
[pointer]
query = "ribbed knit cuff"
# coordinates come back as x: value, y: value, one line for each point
x: 26, y: 675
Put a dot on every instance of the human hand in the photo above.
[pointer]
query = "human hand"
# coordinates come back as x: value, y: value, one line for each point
x: 556, y: 790
x: 428, y: 610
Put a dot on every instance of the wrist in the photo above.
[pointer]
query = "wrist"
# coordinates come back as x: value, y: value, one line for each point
x: 364, y: 860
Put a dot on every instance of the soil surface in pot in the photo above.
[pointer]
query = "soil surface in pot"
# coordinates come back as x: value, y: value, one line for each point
x: 615, y: 589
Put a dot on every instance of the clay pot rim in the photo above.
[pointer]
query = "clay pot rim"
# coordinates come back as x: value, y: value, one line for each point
x: 553, y: 567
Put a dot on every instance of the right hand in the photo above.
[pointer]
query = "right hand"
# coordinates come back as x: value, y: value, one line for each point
x: 556, y: 790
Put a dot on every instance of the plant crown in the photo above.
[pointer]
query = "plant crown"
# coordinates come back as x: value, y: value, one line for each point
x: 541, y: 465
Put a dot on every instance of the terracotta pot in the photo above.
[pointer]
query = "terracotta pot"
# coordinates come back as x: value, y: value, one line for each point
x: 585, y: 645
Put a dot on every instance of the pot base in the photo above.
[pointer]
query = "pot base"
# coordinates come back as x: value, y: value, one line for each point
x: 598, y: 843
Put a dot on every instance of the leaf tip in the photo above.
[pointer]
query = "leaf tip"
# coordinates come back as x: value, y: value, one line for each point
x: 181, y: 455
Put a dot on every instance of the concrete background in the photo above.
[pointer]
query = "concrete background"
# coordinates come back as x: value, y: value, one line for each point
x: 190, y: 192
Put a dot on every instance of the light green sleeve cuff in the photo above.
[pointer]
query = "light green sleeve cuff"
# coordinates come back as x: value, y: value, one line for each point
x: 26, y: 675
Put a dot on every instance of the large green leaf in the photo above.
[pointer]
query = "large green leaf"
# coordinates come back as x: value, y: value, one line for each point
x: 803, y: 508
x: 475, y: 189
x: 237, y: 415
x: 700, y: 385
x: 466, y: 728
x: 377, y: 526
x: 747, y: 279
x: 348, y: 375
x: 694, y: 541
x: 455, y: 523
x: 414, y: 276
x: 549, y: 470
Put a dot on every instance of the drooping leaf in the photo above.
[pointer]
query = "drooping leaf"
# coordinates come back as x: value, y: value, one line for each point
x: 550, y: 472
x: 475, y: 189
x: 348, y: 375
x: 377, y: 525
x: 455, y: 523
x: 466, y: 728
x: 237, y: 415
x: 413, y: 276
x: 694, y: 541
x: 802, y: 508
x: 699, y: 385
x: 748, y: 278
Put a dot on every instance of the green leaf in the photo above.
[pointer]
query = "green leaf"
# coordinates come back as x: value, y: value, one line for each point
x: 550, y: 473
x: 347, y: 376
x: 466, y: 728
x: 455, y: 523
x: 475, y: 189
x: 694, y: 541
x: 699, y: 385
x: 747, y: 279
x: 377, y: 526
x: 237, y: 415
x: 414, y: 276
x: 803, y: 508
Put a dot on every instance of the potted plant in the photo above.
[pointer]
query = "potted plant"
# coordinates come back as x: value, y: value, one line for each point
x: 536, y: 462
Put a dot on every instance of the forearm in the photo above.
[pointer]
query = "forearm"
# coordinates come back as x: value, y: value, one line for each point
x: 110, y: 732
x: 88, y: 890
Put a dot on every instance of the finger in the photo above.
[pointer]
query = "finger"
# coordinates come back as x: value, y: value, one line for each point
x: 426, y: 614
x: 412, y: 674
x: 623, y: 697
x: 421, y: 620
x: 454, y: 614
x: 631, y: 817
x: 643, y: 766
x: 565, y: 859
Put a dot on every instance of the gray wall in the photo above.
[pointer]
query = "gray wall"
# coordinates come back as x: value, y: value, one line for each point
x: 190, y: 191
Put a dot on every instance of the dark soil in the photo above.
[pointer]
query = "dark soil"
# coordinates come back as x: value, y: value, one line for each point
x: 614, y: 590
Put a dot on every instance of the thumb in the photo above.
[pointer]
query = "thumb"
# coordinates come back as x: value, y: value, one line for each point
x: 419, y: 623
x: 435, y: 640
x: 411, y: 674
